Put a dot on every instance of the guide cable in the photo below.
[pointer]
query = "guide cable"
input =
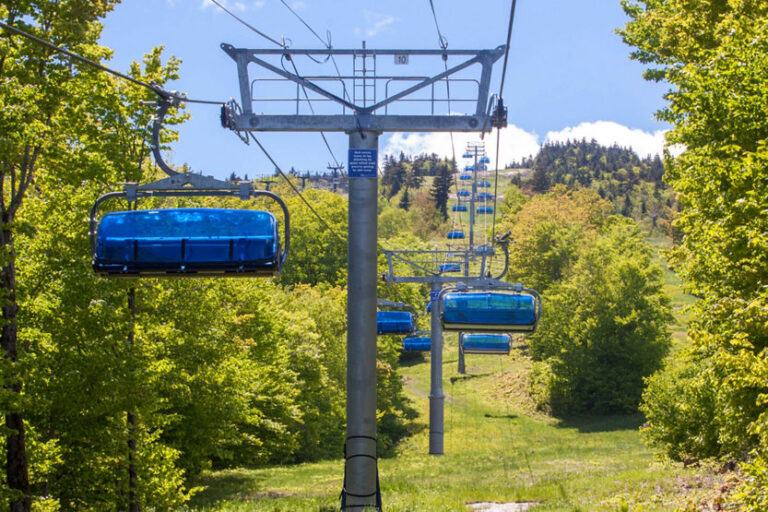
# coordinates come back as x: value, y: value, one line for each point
x: 152, y: 87
x: 295, y: 189
x: 287, y: 56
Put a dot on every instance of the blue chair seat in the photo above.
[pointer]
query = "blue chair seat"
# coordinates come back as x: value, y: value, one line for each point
x: 489, y: 311
x: 465, y: 177
x: 417, y: 344
x: 485, y: 344
x: 455, y: 235
x: 485, y: 209
x: 459, y: 208
x: 450, y: 267
x: 394, y: 322
x: 187, y: 241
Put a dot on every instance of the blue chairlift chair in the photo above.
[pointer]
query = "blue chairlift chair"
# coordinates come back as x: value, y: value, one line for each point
x: 420, y: 342
x: 491, y: 311
x: 394, y: 322
x: 485, y: 343
x: 186, y: 242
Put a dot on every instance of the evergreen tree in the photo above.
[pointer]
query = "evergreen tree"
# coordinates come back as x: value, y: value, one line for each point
x: 626, y: 209
x: 441, y: 188
x: 540, y: 180
x: 405, y: 200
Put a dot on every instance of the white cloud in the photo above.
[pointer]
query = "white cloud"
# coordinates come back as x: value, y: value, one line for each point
x: 609, y: 133
x: 236, y: 6
x: 298, y: 5
x: 258, y: 4
x: 377, y: 22
x: 517, y: 143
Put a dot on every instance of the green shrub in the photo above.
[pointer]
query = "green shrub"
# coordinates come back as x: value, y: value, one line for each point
x: 680, y: 405
x: 604, y: 328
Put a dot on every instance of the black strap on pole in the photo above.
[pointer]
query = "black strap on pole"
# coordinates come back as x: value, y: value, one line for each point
x: 345, y: 493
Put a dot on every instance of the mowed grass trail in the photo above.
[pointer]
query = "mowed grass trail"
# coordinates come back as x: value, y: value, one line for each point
x: 497, y: 449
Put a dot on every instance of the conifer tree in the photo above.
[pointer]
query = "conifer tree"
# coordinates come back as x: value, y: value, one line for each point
x: 405, y: 200
x: 441, y: 188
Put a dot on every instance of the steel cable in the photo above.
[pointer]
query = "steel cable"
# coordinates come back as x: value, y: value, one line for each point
x: 158, y: 90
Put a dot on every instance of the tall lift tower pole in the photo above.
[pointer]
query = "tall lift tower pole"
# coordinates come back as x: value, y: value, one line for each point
x: 363, y: 117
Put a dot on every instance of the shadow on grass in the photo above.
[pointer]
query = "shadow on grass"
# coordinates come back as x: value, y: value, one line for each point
x: 470, y: 376
x: 589, y: 424
x: 408, y: 359
x: 501, y: 416
x: 226, y: 485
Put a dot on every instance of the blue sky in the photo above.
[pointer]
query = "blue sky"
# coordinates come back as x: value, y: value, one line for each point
x: 569, y: 75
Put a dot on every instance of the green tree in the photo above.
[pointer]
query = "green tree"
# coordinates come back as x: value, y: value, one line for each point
x: 39, y: 91
x: 604, y: 328
x: 548, y: 232
x: 715, y: 56
x: 317, y: 254
x: 441, y: 188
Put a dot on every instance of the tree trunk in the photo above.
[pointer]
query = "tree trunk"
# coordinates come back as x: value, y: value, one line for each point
x: 17, y: 472
x: 133, y: 504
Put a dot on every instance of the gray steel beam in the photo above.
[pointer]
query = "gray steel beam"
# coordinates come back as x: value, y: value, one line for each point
x: 233, y: 52
x: 360, y: 448
x: 341, y: 123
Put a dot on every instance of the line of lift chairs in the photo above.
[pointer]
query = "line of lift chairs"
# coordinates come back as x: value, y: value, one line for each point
x: 484, y: 318
x: 192, y: 242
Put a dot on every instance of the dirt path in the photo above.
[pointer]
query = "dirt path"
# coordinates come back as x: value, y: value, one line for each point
x: 502, y: 507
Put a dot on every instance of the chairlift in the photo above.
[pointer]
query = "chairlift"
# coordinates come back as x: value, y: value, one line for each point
x: 466, y: 155
x: 484, y: 184
x: 485, y: 160
x: 396, y: 321
x: 509, y: 309
x: 419, y: 342
x: 463, y: 193
x: 459, y: 208
x: 485, y: 343
x: 449, y: 267
x: 469, y: 168
x: 484, y: 196
x: 455, y: 235
x: 485, y: 209
x: 186, y: 242
x: 465, y: 177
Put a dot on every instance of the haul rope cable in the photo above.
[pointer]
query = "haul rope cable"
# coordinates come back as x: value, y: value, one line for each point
x: 327, y: 44
x: 284, y: 46
x: 158, y: 90
x: 443, y: 42
x: 498, y: 130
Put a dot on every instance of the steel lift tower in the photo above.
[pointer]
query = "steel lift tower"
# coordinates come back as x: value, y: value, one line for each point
x: 361, y: 102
